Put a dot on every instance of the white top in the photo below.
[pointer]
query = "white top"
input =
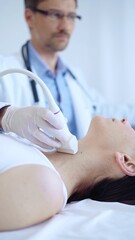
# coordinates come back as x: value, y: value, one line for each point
x: 11, y: 148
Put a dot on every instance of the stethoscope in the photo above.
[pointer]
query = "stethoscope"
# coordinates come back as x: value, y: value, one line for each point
x: 26, y: 59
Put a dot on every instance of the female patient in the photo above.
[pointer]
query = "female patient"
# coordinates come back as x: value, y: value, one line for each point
x: 33, y: 188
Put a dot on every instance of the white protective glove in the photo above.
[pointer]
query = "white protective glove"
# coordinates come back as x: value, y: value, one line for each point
x: 30, y: 122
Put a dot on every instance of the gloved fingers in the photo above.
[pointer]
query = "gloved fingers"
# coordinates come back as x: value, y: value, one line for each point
x: 36, y: 143
x: 42, y: 146
x: 61, y: 135
x: 56, y: 120
x: 42, y: 139
x: 45, y: 149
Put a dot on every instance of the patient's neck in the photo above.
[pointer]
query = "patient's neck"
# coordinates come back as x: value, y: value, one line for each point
x: 76, y: 170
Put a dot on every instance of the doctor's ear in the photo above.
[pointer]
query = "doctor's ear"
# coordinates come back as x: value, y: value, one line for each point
x: 126, y: 163
x: 29, y: 16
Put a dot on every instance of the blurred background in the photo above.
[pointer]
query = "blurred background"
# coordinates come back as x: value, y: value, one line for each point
x: 102, y: 46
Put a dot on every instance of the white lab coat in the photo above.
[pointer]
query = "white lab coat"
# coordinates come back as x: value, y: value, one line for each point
x: 15, y: 89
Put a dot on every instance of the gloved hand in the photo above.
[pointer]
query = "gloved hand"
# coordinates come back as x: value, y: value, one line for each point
x: 37, y: 124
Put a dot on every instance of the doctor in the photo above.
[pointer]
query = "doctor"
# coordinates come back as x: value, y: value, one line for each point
x: 51, y: 23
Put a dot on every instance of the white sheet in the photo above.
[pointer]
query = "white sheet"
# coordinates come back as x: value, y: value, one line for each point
x: 84, y: 220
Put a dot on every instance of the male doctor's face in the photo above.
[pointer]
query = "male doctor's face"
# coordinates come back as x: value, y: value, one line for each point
x: 49, y: 31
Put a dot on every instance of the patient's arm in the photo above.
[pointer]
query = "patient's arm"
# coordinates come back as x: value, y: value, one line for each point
x: 29, y: 194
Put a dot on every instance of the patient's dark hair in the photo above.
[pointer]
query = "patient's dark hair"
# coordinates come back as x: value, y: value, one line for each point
x: 121, y: 190
x: 34, y: 3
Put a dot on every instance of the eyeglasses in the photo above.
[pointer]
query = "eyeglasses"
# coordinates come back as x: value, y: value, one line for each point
x: 57, y: 15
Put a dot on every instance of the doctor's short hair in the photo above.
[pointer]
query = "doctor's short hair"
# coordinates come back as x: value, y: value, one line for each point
x: 34, y: 3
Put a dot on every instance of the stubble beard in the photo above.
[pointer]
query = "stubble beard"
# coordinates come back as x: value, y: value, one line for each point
x: 55, y: 45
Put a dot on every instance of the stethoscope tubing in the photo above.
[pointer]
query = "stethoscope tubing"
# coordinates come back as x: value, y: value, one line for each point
x: 25, y: 56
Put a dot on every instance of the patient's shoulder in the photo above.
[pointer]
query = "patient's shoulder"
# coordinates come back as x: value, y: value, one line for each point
x: 31, y: 193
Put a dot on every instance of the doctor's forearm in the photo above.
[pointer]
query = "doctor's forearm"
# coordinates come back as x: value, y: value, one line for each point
x: 2, y: 112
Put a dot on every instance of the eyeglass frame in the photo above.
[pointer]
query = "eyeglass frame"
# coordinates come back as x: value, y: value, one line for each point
x: 57, y: 14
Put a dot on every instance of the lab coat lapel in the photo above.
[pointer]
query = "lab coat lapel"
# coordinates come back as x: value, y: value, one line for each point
x: 80, y: 105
